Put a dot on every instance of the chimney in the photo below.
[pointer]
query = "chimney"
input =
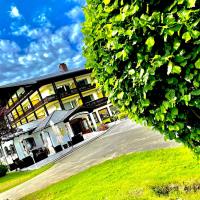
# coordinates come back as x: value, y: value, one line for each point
x: 63, y: 67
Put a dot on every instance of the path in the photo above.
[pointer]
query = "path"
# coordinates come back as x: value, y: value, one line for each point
x: 125, y: 137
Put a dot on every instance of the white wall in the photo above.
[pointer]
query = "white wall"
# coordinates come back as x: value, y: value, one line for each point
x: 12, y: 157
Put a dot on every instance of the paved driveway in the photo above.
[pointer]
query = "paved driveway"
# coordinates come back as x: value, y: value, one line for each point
x: 123, y: 138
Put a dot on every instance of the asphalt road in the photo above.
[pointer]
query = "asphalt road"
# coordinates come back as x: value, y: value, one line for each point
x: 123, y: 138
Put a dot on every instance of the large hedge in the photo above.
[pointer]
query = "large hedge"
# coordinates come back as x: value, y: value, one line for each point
x: 146, y: 55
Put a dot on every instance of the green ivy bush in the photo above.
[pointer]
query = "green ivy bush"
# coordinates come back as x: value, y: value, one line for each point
x: 3, y: 170
x: 146, y: 55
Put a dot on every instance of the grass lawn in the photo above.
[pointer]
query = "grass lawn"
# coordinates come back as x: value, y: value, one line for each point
x: 160, y: 174
x: 13, y: 179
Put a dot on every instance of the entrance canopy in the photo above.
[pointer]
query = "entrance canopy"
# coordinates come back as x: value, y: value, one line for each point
x: 60, y: 116
x: 26, y: 128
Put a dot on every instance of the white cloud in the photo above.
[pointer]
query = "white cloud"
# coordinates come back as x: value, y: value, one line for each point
x: 31, y: 33
x: 14, y: 12
x: 80, y: 2
x: 75, y: 13
x: 43, y: 54
x: 42, y: 20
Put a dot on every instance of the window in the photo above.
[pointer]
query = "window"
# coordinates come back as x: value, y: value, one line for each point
x: 82, y: 83
x: 12, y: 149
x: 1, y: 153
x: 20, y: 92
x: 70, y: 105
x: 104, y: 114
x: 31, y: 117
x: 88, y: 98
x: 26, y: 105
x: 29, y: 144
x: 8, y: 152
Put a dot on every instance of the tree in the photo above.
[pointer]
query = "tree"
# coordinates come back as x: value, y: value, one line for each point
x: 146, y: 55
x: 4, y: 129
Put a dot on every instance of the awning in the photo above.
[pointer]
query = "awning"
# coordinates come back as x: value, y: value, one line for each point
x: 60, y: 116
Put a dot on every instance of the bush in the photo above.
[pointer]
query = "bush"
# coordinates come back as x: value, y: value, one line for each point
x: 103, y: 127
x: 3, y: 170
x: 146, y: 55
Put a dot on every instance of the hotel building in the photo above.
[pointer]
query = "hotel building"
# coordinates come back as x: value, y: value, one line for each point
x: 51, y: 113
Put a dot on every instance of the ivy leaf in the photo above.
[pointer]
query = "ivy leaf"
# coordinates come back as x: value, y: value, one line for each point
x: 169, y: 67
x: 150, y: 42
x: 186, y: 98
x: 197, y: 64
x: 176, y: 69
x: 120, y: 95
x: 145, y: 103
x: 106, y: 2
x: 186, y: 36
x: 196, y: 92
x: 109, y: 69
x: 191, y: 3
x: 170, y: 94
x: 180, y: 1
x: 131, y: 72
x: 176, y: 44
x: 174, y: 111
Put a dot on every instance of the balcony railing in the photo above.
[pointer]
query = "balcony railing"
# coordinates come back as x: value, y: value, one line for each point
x: 87, y: 87
x: 97, y: 103
x: 68, y: 93
x: 17, y: 103
x: 62, y: 94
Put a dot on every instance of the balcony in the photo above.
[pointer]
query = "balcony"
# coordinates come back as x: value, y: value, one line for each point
x: 97, y: 103
x: 62, y: 94
x: 22, y: 97
x: 87, y: 87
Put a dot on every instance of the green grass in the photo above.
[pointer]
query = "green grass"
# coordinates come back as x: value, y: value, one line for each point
x: 130, y: 177
x: 13, y: 179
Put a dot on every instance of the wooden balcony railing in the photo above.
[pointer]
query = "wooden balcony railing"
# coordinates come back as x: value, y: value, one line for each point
x: 54, y: 97
x: 22, y: 97
x: 97, y: 103
x: 87, y: 87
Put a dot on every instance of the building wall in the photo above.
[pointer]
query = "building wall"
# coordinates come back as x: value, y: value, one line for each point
x: 47, y: 91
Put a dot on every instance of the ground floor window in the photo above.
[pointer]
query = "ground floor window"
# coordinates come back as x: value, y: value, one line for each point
x: 29, y: 144
x: 8, y: 152
x: 104, y: 114
x: 12, y: 149
x: 88, y: 98
x: 1, y: 153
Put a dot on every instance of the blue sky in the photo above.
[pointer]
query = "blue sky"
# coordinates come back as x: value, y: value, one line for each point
x: 37, y: 35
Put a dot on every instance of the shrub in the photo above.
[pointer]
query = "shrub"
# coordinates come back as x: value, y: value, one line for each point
x: 102, y: 127
x: 3, y: 170
x: 146, y: 55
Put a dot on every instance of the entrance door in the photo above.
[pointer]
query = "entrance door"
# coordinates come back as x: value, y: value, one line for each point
x: 77, y: 126
x: 80, y: 125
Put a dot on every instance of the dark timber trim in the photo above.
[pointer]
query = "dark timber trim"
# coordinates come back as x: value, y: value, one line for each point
x: 58, y: 95
x: 32, y: 107
x: 45, y: 108
x: 21, y: 107
x: 79, y: 92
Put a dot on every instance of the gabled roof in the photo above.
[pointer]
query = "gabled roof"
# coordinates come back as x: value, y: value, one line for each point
x: 23, y: 129
x: 10, y: 89
x: 60, y: 116
x: 44, y: 78
x: 54, y: 118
